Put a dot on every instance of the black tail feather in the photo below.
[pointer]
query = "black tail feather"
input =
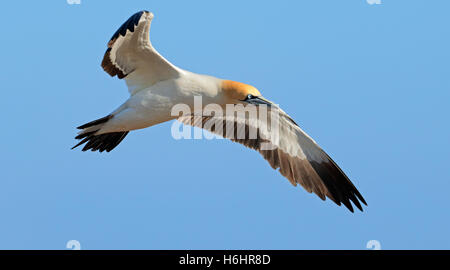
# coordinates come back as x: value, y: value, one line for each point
x: 96, y: 122
x: 103, y: 142
x: 84, y: 135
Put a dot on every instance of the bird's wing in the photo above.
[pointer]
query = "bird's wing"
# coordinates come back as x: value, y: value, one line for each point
x: 130, y: 55
x: 299, y: 158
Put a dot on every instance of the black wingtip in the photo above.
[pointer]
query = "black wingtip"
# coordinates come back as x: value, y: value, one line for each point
x: 129, y: 24
x: 351, y: 198
x: 339, y: 185
x: 348, y: 204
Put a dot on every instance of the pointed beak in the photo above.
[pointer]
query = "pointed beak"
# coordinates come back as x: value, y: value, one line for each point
x: 259, y: 101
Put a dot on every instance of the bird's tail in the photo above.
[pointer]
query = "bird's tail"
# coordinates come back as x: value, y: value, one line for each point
x: 102, y: 142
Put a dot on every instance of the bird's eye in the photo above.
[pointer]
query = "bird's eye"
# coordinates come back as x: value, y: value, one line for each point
x: 249, y: 96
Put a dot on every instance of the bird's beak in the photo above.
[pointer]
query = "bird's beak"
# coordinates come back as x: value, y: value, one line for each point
x: 259, y: 101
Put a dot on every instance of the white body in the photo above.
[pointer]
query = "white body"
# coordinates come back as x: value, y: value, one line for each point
x: 152, y: 105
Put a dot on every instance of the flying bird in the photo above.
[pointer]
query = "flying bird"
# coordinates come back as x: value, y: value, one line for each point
x: 155, y: 86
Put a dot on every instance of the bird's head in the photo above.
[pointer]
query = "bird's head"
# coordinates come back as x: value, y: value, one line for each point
x: 241, y: 93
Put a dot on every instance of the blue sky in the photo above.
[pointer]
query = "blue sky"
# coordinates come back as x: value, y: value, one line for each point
x: 370, y: 83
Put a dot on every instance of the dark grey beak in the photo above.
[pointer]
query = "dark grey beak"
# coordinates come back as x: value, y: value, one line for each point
x: 258, y: 101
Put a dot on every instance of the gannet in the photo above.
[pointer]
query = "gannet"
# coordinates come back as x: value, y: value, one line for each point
x: 155, y: 86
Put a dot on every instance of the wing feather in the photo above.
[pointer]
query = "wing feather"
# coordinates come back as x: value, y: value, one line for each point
x: 130, y: 55
x: 295, y: 154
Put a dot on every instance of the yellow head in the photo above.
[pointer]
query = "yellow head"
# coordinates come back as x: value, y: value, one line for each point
x: 236, y: 91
